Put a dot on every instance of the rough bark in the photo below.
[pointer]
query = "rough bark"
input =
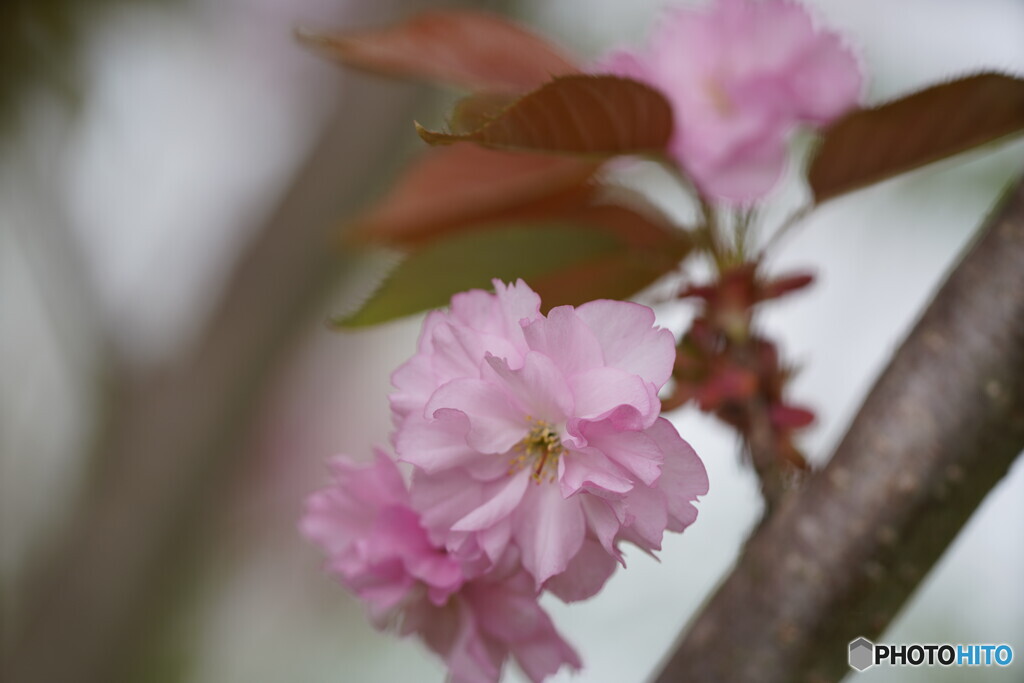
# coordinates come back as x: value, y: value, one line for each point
x: 840, y: 557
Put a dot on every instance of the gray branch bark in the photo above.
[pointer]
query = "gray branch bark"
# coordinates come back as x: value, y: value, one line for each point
x: 940, y: 428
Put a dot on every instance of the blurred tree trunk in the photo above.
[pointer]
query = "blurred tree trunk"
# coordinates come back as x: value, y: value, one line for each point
x: 171, y: 437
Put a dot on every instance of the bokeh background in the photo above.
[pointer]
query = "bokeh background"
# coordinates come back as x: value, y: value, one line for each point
x: 152, y: 155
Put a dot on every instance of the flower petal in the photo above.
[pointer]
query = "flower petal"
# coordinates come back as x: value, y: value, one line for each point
x: 589, y: 470
x: 544, y: 654
x: 495, y: 425
x: 602, y: 522
x: 549, y: 531
x: 566, y: 339
x: 647, y: 515
x: 498, y: 506
x: 683, y: 477
x: 586, y: 574
x: 629, y: 340
x: 538, y: 386
x: 635, y: 451
x: 599, y: 391
x: 444, y: 498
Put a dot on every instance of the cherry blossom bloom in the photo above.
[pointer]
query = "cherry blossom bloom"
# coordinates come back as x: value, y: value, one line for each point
x: 542, y: 433
x: 740, y: 74
x: 373, y: 539
x: 377, y: 548
x: 490, y: 619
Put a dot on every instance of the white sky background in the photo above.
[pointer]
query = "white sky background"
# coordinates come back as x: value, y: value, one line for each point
x: 195, y: 115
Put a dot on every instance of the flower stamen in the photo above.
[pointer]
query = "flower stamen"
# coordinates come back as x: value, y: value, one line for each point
x: 539, y: 450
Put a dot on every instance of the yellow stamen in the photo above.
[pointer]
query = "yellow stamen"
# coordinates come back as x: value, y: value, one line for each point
x: 539, y: 450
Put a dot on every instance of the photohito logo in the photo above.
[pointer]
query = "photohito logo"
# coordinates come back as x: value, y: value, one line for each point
x: 864, y: 654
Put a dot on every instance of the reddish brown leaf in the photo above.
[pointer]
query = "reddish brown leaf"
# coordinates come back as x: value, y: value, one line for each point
x: 874, y: 144
x: 650, y: 247
x: 452, y: 188
x: 472, y: 50
x: 596, y: 115
x: 617, y: 276
x: 476, y: 111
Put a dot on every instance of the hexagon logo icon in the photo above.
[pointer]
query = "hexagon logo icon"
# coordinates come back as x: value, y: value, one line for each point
x: 862, y: 654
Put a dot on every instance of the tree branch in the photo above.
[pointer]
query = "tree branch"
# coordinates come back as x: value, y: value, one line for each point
x: 939, y: 429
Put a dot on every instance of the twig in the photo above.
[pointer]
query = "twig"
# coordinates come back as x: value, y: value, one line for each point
x: 941, y: 426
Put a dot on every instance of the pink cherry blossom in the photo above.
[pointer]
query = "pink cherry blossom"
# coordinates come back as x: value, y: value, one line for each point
x: 492, y: 618
x: 740, y: 74
x: 373, y: 539
x: 544, y: 435
x: 378, y: 549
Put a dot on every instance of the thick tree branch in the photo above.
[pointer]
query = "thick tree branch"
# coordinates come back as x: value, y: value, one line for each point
x: 939, y: 429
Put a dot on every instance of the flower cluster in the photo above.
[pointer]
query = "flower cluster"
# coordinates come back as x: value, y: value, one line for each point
x: 537, y: 448
x: 740, y: 75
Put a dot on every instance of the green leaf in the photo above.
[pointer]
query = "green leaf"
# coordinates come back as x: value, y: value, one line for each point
x: 595, y: 115
x: 565, y: 264
x: 870, y: 145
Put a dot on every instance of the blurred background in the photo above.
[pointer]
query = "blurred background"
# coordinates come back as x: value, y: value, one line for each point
x: 172, y: 175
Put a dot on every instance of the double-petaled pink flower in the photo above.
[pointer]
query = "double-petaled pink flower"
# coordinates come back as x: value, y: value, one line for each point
x: 740, y: 74
x: 538, y: 448
x: 541, y: 434
x: 377, y: 548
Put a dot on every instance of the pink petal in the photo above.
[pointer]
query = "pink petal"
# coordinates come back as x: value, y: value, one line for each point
x: 437, y: 444
x: 375, y: 484
x: 414, y: 382
x: 545, y: 654
x: 637, y: 452
x: 549, y: 531
x: 518, y: 303
x: 498, y: 506
x: 331, y: 520
x: 586, y: 574
x: 508, y: 615
x: 589, y: 470
x: 749, y: 173
x: 494, y: 540
x: 566, y: 339
x: 683, y: 477
x: 471, y: 659
x: 539, y: 387
x: 599, y: 391
x: 629, y: 341
x: 457, y: 352
x: 622, y: 63
x: 648, y: 515
x: 827, y: 81
x: 602, y: 522
x: 444, y: 498
x: 495, y: 424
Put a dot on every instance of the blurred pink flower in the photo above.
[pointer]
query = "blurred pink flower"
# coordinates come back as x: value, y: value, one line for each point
x: 373, y: 539
x: 543, y: 434
x: 740, y: 74
x: 377, y: 549
x: 489, y: 620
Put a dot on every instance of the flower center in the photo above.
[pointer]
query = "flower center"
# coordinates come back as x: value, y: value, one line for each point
x: 720, y: 101
x: 539, y: 451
